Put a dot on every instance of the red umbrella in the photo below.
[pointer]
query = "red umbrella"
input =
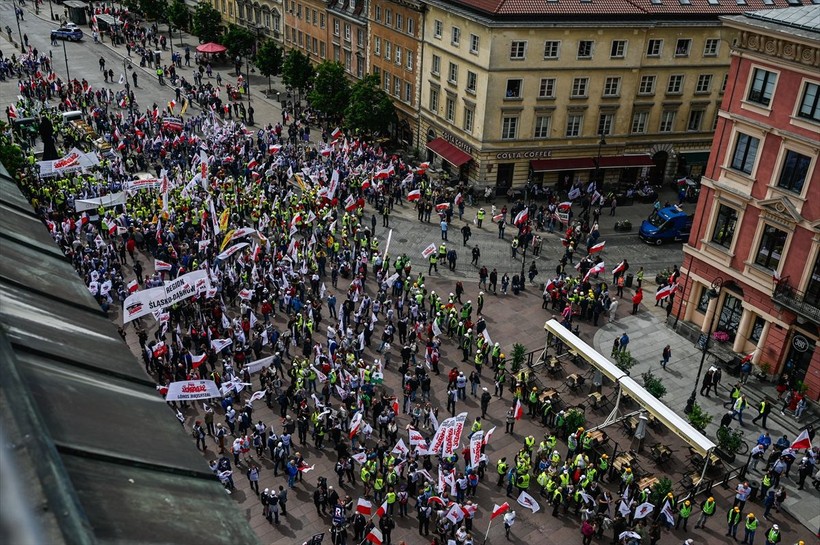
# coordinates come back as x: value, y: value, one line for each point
x: 211, y: 47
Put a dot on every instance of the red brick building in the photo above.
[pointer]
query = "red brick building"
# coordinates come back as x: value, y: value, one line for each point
x: 757, y: 224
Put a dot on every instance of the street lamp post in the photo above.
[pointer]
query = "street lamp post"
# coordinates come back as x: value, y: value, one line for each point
x: 126, y: 65
x: 51, y: 9
x: 20, y: 32
x: 713, y: 293
x: 65, y: 56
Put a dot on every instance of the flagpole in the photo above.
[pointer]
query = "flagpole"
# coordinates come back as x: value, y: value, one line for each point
x: 487, y: 533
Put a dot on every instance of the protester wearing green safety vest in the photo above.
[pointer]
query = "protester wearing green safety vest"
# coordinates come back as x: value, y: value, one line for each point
x: 707, y: 509
x: 501, y: 468
x: 684, y: 513
x: 773, y: 535
x: 750, y: 529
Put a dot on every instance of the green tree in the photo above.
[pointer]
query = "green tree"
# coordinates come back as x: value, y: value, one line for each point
x: 297, y: 72
x: 11, y: 154
x: 239, y: 41
x: 207, y: 23
x: 370, y: 110
x: 178, y: 14
x: 151, y: 9
x: 331, y: 90
x: 269, y: 59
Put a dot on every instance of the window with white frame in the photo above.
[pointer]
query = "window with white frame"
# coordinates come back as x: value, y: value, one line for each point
x: 456, y: 36
x: 654, y: 48
x: 435, y: 69
x: 546, y: 88
x: 667, y: 121
x: 518, y: 50
x: 585, y: 49
x: 761, y: 87
x: 695, y: 120
x: 723, y: 232
x: 452, y: 73
x: 647, y: 85
x: 399, y: 22
x: 542, y: 126
x: 397, y: 87
x: 682, y: 47
x: 509, y: 127
x: 434, y: 101
x: 411, y: 26
x: 347, y: 32
x: 612, y: 86
x: 605, y: 122
x: 710, y: 47
x: 377, y: 14
x: 388, y: 50
x: 579, y: 87
x: 704, y: 84
x: 794, y: 171
x: 438, y: 28
x: 388, y: 17
x: 574, y: 125
x: 387, y: 81
x: 552, y: 49
x: 408, y: 92
x: 397, y: 55
x: 409, y: 64
x: 472, y: 81
x: 474, y: 41
x: 809, y: 107
x: 513, y: 88
x: 618, y: 49
x: 469, y: 117
x: 770, y: 250
x: 377, y: 46
x: 639, y: 120
x: 745, y: 152
x: 675, y: 85
x: 335, y: 27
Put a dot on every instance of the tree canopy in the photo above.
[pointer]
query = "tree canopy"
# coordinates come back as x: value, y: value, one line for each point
x: 239, y: 41
x: 207, y: 23
x: 297, y: 72
x: 178, y: 14
x: 331, y: 90
x: 269, y: 58
x: 369, y: 110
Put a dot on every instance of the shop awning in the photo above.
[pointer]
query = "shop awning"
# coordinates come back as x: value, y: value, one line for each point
x: 449, y: 152
x: 627, y: 161
x: 570, y: 163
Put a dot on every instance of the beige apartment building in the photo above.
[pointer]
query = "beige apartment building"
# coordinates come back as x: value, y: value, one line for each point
x: 515, y: 91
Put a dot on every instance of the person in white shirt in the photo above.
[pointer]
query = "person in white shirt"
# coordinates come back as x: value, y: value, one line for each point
x: 509, y: 520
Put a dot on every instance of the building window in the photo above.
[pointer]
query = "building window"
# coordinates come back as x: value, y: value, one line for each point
x: 743, y: 158
x: 397, y: 56
x: 469, y: 115
x: 762, y: 86
x: 809, y: 107
x: 452, y: 73
x: 513, y: 88
x: 757, y: 329
x: 314, y: 17
x: 682, y: 47
x: 612, y: 86
x: 730, y: 314
x: 794, y: 171
x: 574, y: 125
x: 770, y: 250
x: 813, y: 288
x: 695, y: 120
x: 725, y: 81
x: 710, y: 48
x: 322, y: 49
x: 399, y: 21
x: 388, y: 17
x: 518, y: 50
x: 618, y: 49
x: 397, y: 87
x: 474, y: 44
x: 436, y: 68
x: 388, y: 50
x: 579, y: 87
x: 542, y: 126
x: 434, y: 101
x: 377, y: 14
x: 639, y: 122
x: 703, y: 300
x: 546, y: 88
x: 360, y: 38
x: 456, y: 38
x: 585, y: 49
x: 653, y: 48
x: 725, y: 223
x: 472, y: 80
x: 647, y: 85
x: 408, y: 91
x: 552, y: 49
x: 348, y: 61
x: 387, y: 81
x: 509, y: 128
x: 438, y: 28
x: 667, y: 121
x: 409, y: 61
x: 675, y: 85
x: 411, y: 26
x: 347, y: 32
x: 321, y: 20
x: 605, y: 124
x: 335, y: 27
x: 704, y: 84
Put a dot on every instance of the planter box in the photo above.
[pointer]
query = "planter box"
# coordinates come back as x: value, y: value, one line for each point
x: 725, y: 456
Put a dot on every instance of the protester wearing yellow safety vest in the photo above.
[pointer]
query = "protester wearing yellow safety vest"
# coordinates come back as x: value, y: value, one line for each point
x: 707, y: 509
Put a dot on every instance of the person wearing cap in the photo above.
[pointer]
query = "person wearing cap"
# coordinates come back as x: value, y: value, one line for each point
x: 750, y: 529
x: 733, y: 519
x: 486, y: 397
x: 532, y: 400
x: 707, y: 509
x: 773, y: 535
x: 684, y: 513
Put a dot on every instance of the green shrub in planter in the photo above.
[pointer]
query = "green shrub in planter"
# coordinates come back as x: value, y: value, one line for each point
x: 698, y: 418
x: 653, y: 385
x: 624, y: 361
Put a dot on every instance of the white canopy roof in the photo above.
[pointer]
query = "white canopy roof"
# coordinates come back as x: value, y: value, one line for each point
x: 657, y: 408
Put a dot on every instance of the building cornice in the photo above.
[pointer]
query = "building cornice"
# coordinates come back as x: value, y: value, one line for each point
x: 777, y: 45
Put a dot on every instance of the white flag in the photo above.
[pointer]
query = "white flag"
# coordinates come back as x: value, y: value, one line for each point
x: 643, y: 510
x: 529, y: 502
x: 122, y: 78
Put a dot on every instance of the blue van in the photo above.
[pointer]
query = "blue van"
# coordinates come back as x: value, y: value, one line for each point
x: 670, y: 224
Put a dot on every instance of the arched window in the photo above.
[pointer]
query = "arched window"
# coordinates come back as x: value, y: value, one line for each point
x: 277, y: 19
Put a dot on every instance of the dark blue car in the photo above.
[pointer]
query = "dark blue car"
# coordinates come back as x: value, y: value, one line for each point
x: 71, y: 33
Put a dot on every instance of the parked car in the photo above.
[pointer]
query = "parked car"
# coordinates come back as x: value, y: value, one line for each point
x: 68, y: 32
x: 670, y: 224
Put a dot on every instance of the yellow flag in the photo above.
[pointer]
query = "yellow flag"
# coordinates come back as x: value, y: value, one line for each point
x: 300, y: 181
x: 184, y: 108
x: 223, y: 219
x: 226, y: 240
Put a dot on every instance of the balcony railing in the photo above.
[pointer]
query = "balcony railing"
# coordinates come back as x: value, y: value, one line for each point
x: 797, y: 301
